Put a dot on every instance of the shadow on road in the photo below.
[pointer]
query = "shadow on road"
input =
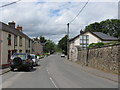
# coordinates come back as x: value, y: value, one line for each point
x: 23, y: 70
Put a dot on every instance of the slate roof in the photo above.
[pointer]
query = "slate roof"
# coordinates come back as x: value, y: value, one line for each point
x: 99, y: 35
x: 9, y: 29
x: 103, y: 36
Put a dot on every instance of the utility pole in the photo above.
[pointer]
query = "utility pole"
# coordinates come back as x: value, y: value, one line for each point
x: 68, y: 40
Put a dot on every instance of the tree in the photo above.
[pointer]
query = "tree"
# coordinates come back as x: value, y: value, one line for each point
x: 109, y: 26
x: 42, y: 39
x: 62, y: 44
x: 49, y: 47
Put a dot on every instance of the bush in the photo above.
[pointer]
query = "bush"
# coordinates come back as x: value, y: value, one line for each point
x: 99, y: 44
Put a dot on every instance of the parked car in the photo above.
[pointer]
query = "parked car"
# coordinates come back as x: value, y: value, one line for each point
x: 35, y: 60
x: 21, y: 60
x: 62, y: 55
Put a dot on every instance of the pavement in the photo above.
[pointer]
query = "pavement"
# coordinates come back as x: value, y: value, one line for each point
x: 57, y: 72
x: 3, y: 71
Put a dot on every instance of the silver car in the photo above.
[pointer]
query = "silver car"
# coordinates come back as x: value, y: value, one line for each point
x: 35, y: 60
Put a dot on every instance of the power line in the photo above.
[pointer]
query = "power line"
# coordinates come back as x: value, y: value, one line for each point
x: 68, y: 27
x: 79, y: 12
x: 9, y: 4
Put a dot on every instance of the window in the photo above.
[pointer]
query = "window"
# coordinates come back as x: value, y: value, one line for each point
x: 9, y: 39
x: 29, y: 43
x: 20, y: 41
x: 15, y: 40
x: 26, y: 51
x: 84, y: 40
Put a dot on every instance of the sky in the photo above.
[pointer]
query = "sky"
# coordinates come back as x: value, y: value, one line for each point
x: 49, y: 18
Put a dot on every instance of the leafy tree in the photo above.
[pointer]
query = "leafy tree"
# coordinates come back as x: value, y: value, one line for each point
x: 62, y: 44
x: 42, y: 39
x: 109, y: 26
x: 49, y: 47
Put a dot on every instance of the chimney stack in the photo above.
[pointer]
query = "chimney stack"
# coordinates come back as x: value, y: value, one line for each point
x: 81, y: 31
x: 19, y: 28
x: 12, y: 24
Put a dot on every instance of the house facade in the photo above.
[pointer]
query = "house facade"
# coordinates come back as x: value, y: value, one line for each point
x: 83, y: 40
x: 74, y: 44
x: 37, y: 48
x: 13, y: 41
x: 87, y: 38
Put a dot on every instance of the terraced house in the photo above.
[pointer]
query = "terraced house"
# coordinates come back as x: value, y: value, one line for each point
x: 12, y: 40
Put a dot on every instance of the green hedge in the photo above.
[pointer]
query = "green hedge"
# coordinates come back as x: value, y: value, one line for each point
x: 99, y: 44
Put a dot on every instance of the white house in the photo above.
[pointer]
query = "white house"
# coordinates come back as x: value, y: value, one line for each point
x: 74, y: 43
x: 12, y: 40
x: 84, y: 39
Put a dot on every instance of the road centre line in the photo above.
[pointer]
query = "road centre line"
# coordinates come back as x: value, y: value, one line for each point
x: 53, y: 82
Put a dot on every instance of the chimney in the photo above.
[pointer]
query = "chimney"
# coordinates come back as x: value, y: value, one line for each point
x: 12, y: 24
x: 19, y: 28
x: 81, y: 32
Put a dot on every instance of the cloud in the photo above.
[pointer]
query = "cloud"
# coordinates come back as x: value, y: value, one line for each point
x: 50, y: 19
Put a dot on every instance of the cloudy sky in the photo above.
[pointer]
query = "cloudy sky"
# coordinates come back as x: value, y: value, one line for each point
x: 49, y: 17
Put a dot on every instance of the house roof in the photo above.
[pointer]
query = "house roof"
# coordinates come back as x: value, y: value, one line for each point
x: 9, y: 29
x: 99, y: 35
x: 105, y: 36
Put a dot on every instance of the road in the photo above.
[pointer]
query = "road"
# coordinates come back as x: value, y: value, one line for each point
x: 54, y: 72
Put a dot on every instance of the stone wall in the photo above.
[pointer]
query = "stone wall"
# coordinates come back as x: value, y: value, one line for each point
x: 104, y: 58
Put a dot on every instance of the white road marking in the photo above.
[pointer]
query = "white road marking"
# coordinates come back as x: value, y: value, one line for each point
x: 48, y: 72
x: 53, y: 82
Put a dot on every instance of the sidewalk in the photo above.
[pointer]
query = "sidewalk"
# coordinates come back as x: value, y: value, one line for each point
x: 99, y: 73
x: 3, y: 71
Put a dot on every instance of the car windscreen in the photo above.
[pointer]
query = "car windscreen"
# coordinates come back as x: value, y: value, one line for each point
x: 22, y: 56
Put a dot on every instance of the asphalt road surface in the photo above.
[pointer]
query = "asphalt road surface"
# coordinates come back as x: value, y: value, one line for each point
x: 53, y: 72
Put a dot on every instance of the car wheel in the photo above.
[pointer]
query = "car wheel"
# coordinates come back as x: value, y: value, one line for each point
x: 28, y: 68
x: 11, y: 69
x: 31, y: 67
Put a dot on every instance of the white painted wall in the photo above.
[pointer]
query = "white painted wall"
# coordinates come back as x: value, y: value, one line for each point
x: 92, y: 38
x: 77, y: 41
x: 73, y: 50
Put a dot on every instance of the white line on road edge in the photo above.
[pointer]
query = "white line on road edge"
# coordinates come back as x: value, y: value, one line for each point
x: 53, y: 82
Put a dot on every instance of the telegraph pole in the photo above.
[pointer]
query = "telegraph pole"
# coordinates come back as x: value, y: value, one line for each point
x: 68, y: 40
